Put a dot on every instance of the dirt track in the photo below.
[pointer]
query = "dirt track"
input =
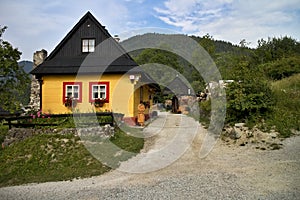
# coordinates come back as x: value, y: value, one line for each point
x: 226, y: 173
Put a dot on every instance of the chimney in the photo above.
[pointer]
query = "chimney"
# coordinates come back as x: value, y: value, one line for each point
x: 117, y: 38
x: 38, y: 58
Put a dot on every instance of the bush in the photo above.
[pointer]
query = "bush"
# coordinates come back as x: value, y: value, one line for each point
x: 283, y: 68
x: 249, y: 100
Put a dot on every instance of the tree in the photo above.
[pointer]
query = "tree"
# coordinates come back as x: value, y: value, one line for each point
x: 13, y: 79
x: 207, y: 42
x: 277, y: 48
x: 249, y: 97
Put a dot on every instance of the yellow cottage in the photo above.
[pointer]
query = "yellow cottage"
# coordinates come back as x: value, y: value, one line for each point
x: 89, y: 71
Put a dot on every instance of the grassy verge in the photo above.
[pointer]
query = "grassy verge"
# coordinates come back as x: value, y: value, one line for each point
x: 286, y: 112
x: 54, y: 157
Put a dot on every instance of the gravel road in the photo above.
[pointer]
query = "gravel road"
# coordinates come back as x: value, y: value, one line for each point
x: 226, y: 173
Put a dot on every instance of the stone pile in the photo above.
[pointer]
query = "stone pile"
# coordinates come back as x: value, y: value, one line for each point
x: 240, y: 135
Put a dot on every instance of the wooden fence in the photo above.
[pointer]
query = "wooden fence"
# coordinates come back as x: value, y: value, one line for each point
x: 19, y: 121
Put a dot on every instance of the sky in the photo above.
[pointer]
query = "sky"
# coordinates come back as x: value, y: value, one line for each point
x: 40, y: 24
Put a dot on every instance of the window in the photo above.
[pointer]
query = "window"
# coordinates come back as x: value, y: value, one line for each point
x: 88, y: 45
x: 72, y: 89
x: 99, y: 90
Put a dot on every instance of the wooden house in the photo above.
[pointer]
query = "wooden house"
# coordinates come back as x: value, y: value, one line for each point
x: 89, y: 71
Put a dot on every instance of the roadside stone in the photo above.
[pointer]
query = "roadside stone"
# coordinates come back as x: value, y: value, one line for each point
x: 241, y: 135
x: 239, y: 125
x: 273, y: 134
x: 237, y: 133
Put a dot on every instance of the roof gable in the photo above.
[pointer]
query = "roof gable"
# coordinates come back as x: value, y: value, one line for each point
x: 67, y: 57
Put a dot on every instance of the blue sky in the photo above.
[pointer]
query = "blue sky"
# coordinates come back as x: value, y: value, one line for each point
x: 37, y: 24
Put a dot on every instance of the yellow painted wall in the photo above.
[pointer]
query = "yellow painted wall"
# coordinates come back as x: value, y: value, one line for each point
x: 121, y: 97
x: 145, y: 97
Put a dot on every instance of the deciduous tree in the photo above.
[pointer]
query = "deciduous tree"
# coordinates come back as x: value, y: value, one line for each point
x: 13, y: 79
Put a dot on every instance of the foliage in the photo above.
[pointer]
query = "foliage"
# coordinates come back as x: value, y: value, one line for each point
x: 3, y: 132
x: 286, y: 112
x: 70, y: 102
x: 249, y: 98
x: 13, y: 79
x: 285, y: 67
x: 276, y: 48
x: 155, y: 57
x: 207, y: 42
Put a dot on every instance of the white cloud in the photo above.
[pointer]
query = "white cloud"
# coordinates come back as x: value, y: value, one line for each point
x: 34, y: 24
x: 233, y: 20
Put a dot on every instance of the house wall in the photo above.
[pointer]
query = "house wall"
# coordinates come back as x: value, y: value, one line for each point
x: 121, y: 94
x: 142, y: 95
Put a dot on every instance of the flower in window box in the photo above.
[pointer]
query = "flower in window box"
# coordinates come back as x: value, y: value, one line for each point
x: 70, y: 102
x: 99, y: 102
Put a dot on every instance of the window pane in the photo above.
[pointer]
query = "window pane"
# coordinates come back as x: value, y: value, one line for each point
x: 85, y: 42
x: 85, y: 49
x: 85, y: 45
x: 102, y: 95
x: 76, y: 95
x: 69, y: 88
x: 92, y: 42
x: 76, y: 88
x: 95, y: 95
x: 102, y: 88
x: 91, y: 49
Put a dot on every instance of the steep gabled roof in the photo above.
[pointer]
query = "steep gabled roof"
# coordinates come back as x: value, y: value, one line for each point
x: 67, y: 57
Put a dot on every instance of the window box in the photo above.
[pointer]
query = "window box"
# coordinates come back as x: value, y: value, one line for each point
x: 72, y: 94
x: 99, y: 102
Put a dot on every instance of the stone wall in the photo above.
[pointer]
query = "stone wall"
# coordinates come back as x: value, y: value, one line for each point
x: 38, y: 58
x: 18, y: 134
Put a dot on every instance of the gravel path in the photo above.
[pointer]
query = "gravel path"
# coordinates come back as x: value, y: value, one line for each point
x: 226, y: 173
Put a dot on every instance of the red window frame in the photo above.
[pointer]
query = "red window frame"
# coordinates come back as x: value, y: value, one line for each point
x: 72, y: 83
x: 91, y: 100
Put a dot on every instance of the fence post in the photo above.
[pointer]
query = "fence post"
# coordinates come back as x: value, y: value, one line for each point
x: 112, y: 119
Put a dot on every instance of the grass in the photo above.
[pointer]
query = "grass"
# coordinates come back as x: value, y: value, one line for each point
x: 55, y: 157
x: 286, y: 112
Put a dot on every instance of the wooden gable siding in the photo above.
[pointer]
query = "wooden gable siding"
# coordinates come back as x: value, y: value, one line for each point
x: 68, y: 57
x: 87, y: 28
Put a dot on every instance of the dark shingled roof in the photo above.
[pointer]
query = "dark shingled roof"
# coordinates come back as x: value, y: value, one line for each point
x: 67, y: 58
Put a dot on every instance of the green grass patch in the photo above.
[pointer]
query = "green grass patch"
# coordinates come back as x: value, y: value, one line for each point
x: 133, y: 137
x: 55, y: 157
x: 286, y: 112
x: 3, y: 132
